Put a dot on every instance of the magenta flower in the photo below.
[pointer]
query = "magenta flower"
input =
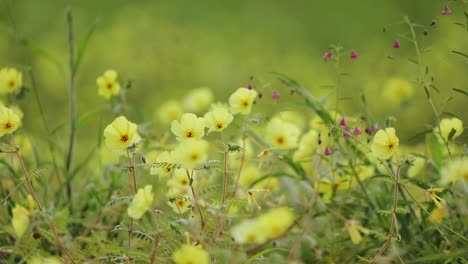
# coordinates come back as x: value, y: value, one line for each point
x: 346, y: 133
x: 328, y: 151
x: 275, y: 95
x: 446, y: 11
x: 396, y: 44
x: 250, y: 87
x: 342, y: 122
x: 374, y: 128
x: 327, y: 56
x: 357, y: 131
x: 353, y: 55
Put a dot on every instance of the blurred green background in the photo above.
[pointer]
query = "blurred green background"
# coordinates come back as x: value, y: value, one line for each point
x: 169, y: 47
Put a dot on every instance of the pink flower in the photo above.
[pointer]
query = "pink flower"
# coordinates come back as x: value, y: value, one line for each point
x: 357, y: 131
x: 396, y: 44
x: 275, y: 95
x: 342, y: 122
x: 446, y: 11
x: 353, y: 55
x: 327, y: 56
x: 346, y: 133
x: 374, y: 128
x: 328, y: 151
x: 250, y: 87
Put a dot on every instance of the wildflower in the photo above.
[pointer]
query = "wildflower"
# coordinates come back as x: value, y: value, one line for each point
x: 189, y: 127
x: 396, y: 44
x: 108, y: 156
x: 11, y: 80
x: 357, y: 131
x: 249, y: 174
x: 218, y: 119
x: 191, y: 153
x: 327, y: 56
x: 435, y: 198
x: 169, y: 111
x: 342, y: 122
x: 385, y: 143
x: 373, y: 128
x: 179, y: 181
x: 346, y: 132
x: 438, y: 214
x: 141, y: 202
x: 179, y: 203
x: 108, y: 84
x: 276, y: 221
x: 282, y: 135
x: 121, y: 134
x: 43, y: 260
x: 9, y: 121
x: 250, y: 87
x: 353, y: 55
x: 328, y: 151
x: 446, y: 11
x: 198, y: 100
x: 354, y: 230
x: 307, y: 145
x: 454, y: 171
x: 241, y: 101
x: 164, y: 164
x: 275, y: 95
x: 20, y: 220
x: 397, y: 91
x: 188, y: 254
x: 446, y: 125
x: 248, y: 232
x: 292, y: 117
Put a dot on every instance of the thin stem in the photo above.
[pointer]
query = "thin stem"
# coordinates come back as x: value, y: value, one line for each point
x: 72, y: 101
x: 244, y: 131
x: 196, y: 201
x: 394, y: 224
x: 225, y: 183
x: 40, y: 207
x: 130, y: 228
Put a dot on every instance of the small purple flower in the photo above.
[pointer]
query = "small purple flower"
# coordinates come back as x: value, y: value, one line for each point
x: 342, y: 122
x: 346, y: 133
x: 374, y: 128
x: 353, y: 55
x: 250, y: 87
x: 396, y: 44
x: 327, y: 56
x: 275, y: 95
x: 328, y: 151
x: 357, y: 131
x: 446, y: 11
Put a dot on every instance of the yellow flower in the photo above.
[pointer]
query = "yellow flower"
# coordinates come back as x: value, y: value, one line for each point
x: 44, y: 260
x: 293, y: 118
x: 9, y: 121
x: 398, y: 91
x: 189, y: 127
x: 385, y: 143
x: 249, y: 231
x: 169, y: 111
x: 11, y: 80
x: 166, y: 164
x: 241, y: 101
x: 276, y: 221
x: 191, y: 153
x: 198, y: 100
x: 20, y: 220
x: 455, y: 170
x: 249, y: 174
x: 282, y: 135
x: 108, y: 156
x: 354, y: 230
x: 179, y: 203
x: 417, y: 167
x: 435, y: 198
x: 188, y: 254
x: 307, y: 146
x: 446, y: 126
x: 121, y: 134
x: 218, y: 119
x: 108, y: 84
x: 179, y: 181
x: 141, y: 202
x: 438, y: 214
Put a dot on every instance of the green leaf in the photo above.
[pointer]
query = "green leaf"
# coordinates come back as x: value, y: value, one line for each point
x: 41, y: 53
x: 435, y: 148
x: 82, y: 48
x: 6, y: 147
x: 460, y: 91
x: 428, y: 95
x: 451, y: 133
x: 400, y: 210
x: 419, y: 134
x: 460, y: 53
x: 413, y: 61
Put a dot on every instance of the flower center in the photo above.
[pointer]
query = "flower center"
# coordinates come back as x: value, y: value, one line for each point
x: 245, y: 103
x: 124, y: 138
x: 8, y: 125
x: 109, y: 86
x: 11, y: 83
x: 190, y: 134
x: 280, y: 140
x: 194, y: 157
x: 219, y: 126
x: 390, y: 146
x: 180, y: 203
